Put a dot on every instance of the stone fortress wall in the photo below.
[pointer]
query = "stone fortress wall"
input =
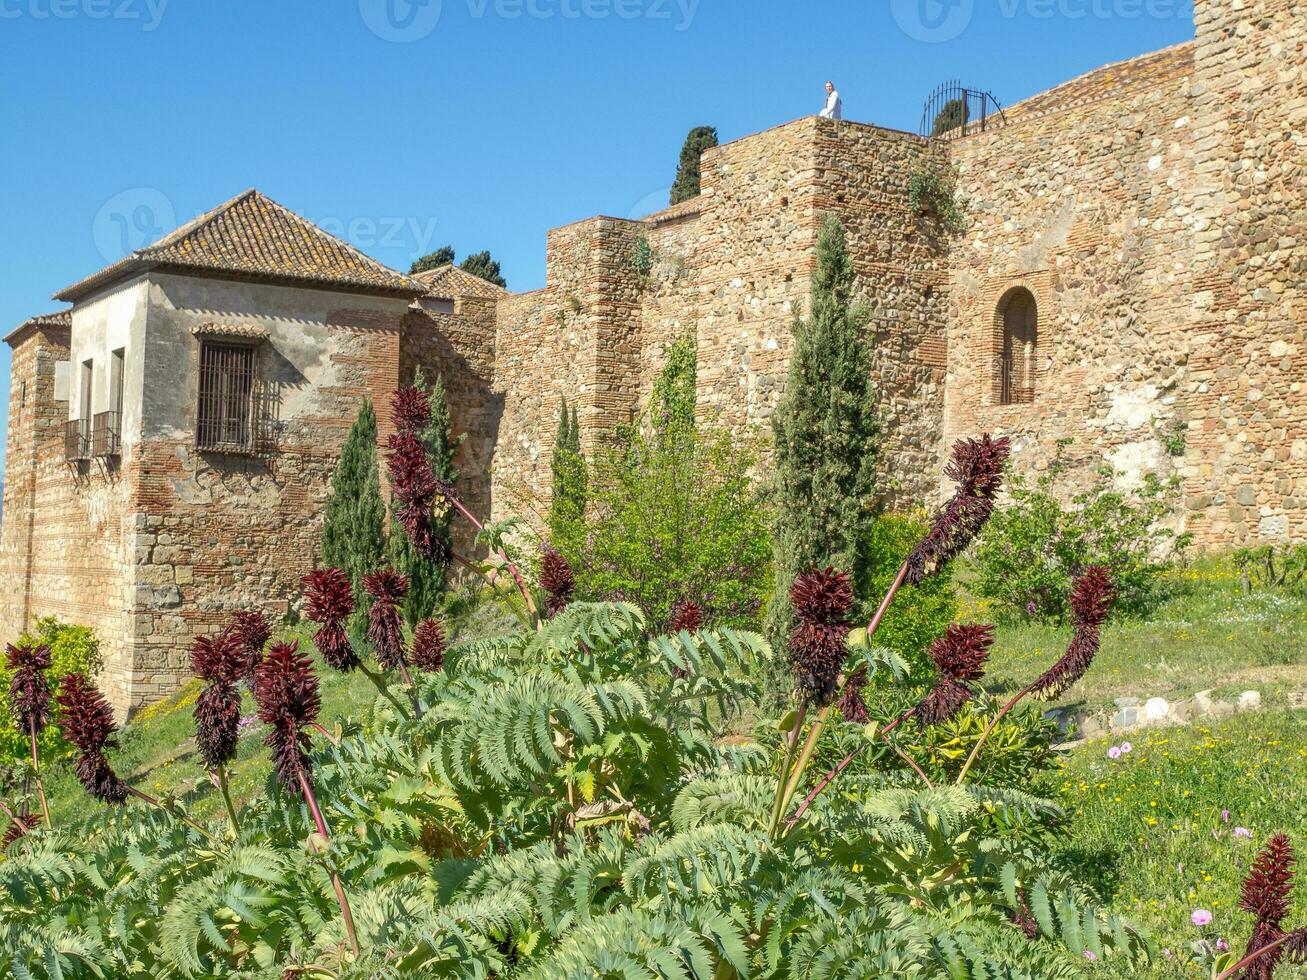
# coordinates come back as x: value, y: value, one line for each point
x: 1148, y: 220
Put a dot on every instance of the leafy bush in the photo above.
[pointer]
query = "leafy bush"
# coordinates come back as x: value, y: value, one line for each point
x: 1035, y: 546
x: 1274, y: 567
x: 929, y: 192
x: 673, y: 513
x: 73, y: 650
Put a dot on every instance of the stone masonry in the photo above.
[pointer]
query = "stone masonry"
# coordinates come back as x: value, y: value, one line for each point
x: 1127, y: 288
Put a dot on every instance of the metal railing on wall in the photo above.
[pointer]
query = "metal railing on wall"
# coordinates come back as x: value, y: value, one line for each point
x: 954, y: 110
x: 106, y: 437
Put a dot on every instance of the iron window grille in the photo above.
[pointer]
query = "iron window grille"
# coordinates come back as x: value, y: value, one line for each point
x: 77, y: 440
x: 226, y: 416
x: 106, y: 434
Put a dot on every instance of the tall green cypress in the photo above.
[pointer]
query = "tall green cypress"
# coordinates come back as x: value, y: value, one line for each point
x: 354, y: 520
x: 686, y: 185
x: 826, y: 435
x: 427, y: 580
x: 570, y: 484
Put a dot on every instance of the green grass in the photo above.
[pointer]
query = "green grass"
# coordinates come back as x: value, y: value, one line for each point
x: 1147, y: 830
x: 1208, y: 636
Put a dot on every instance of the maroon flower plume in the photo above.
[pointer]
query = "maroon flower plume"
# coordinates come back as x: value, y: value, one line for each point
x: 87, y: 722
x: 1266, y: 894
x: 329, y: 601
x: 556, y: 579
x: 819, y: 637
x: 221, y: 660
x: 960, y: 656
x: 387, y: 589
x: 286, y: 691
x: 852, y: 707
x: 411, y: 409
x: 977, y: 468
x: 19, y: 826
x: 253, y: 631
x: 29, y: 691
x: 687, y: 617
x: 428, y: 646
x: 1091, y: 600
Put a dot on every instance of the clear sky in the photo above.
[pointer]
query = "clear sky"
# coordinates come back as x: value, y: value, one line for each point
x: 402, y: 126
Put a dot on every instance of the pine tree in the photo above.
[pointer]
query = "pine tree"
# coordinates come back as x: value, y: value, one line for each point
x: 687, y: 171
x: 433, y: 260
x: 427, y: 580
x: 481, y: 264
x: 354, y: 520
x: 571, y: 483
x: 826, y: 436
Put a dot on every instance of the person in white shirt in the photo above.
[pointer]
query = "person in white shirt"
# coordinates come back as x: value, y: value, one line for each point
x: 834, y: 106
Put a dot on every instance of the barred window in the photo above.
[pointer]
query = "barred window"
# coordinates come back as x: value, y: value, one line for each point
x: 225, y: 419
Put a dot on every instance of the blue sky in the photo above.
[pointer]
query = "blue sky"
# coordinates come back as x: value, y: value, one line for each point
x: 482, y: 123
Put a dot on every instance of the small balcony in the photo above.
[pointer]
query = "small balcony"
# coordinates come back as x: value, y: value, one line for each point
x: 106, y: 434
x: 77, y: 440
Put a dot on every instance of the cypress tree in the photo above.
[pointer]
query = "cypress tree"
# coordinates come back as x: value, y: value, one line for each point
x: 354, y: 520
x: 433, y: 260
x: 427, y: 580
x: 481, y: 264
x: 570, y: 482
x: 826, y: 435
x: 687, y: 171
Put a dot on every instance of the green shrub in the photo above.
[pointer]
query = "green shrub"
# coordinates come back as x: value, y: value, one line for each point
x: 1035, y: 546
x: 930, y: 192
x: 73, y: 650
x: 1280, y: 567
x: 570, y: 484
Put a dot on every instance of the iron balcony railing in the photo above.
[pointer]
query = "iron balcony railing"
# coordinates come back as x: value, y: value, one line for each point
x: 77, y: 439
x: 106, y: 434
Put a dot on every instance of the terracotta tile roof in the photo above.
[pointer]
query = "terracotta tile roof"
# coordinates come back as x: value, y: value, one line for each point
x: 451, y: 282
x: 63, y: 318
x: 252, y: 236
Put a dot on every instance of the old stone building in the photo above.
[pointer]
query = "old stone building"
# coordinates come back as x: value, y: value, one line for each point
x: 1131, y: 276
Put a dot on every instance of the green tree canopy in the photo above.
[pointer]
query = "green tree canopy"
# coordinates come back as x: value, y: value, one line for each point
x: 686, y: 185
x: 354, y: 520
x: 481, y: 264
x: 826, y: 435
x: 433, y: 260
x: 570, y: 483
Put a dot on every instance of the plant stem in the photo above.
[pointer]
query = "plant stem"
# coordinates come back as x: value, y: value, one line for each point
x: 220, y: 774
x: 1254, y: 956
x: 341, y: 899
x: 805, y: 757
x: 975, y: 751
x: 885, y: 603
x: 512, y: 569
x: 380, y: 684
x: 412, y: 691
x: 791, y: 741
x: 324, y: 733
x: 172, y: 811
x: 36, y: 768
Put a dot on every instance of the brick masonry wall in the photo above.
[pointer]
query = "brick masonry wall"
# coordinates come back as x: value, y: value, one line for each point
x: 1246, y: 472
x: 1084, y: 201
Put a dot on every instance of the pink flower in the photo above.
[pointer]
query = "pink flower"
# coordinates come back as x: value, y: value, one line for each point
x: 1090, y: 955
x: 1114, y: 753
x: 1221, y: 945
x: 1225, y: 816
x: 1201, y: 917
x: 1243, y: 832
x: 1127, y: 748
